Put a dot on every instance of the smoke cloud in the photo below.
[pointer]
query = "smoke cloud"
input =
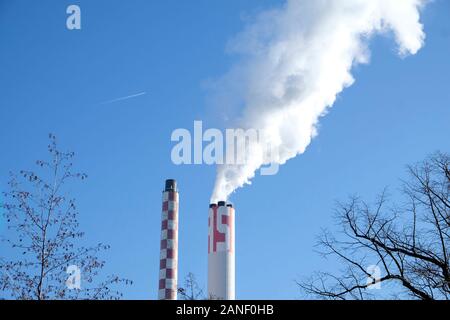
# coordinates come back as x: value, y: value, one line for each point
x: 295, y: 60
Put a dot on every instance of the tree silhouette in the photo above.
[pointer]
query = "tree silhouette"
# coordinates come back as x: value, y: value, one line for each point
x: 44, y: 236
x: 408, y: 242
x: 191, y: 289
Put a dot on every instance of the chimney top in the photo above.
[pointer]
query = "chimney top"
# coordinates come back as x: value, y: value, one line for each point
x: 171, y: 185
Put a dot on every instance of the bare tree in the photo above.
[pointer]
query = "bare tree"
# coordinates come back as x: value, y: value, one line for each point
x: 408, y: 242
x: 191, y: 289
x: 43, y: 237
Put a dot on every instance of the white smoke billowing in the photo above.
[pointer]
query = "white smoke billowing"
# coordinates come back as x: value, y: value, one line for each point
x: 295, y: 60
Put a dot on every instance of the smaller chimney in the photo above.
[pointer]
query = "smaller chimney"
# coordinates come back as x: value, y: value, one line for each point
x: 168, y: 263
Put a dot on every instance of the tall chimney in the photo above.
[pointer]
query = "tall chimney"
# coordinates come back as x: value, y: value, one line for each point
x: 168, y: 264
x: 221, y: 252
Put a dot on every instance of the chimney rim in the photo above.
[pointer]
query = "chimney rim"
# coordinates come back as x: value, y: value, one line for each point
x: 170, y: 185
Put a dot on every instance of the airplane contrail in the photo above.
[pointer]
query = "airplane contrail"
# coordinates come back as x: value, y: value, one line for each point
x: 124, y: 98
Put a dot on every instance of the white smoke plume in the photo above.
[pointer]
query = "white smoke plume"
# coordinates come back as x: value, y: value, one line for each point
x: 295, y: 60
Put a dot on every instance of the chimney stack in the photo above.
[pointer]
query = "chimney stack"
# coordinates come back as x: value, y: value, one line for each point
x: 221, y: 252
x: 168, y: 265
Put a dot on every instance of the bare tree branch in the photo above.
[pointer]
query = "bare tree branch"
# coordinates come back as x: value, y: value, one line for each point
x: 43, y: 226
x: 409, y: 243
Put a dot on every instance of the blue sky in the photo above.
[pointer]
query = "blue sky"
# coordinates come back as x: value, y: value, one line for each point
x: 55, y: 80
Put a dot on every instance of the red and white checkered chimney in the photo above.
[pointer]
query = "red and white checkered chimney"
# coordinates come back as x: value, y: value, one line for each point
x: 221, y: 253
x: 168, y: 265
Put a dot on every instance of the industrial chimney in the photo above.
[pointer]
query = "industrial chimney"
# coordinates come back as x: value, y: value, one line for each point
x: 168, y: 264
x: 221, y: 252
